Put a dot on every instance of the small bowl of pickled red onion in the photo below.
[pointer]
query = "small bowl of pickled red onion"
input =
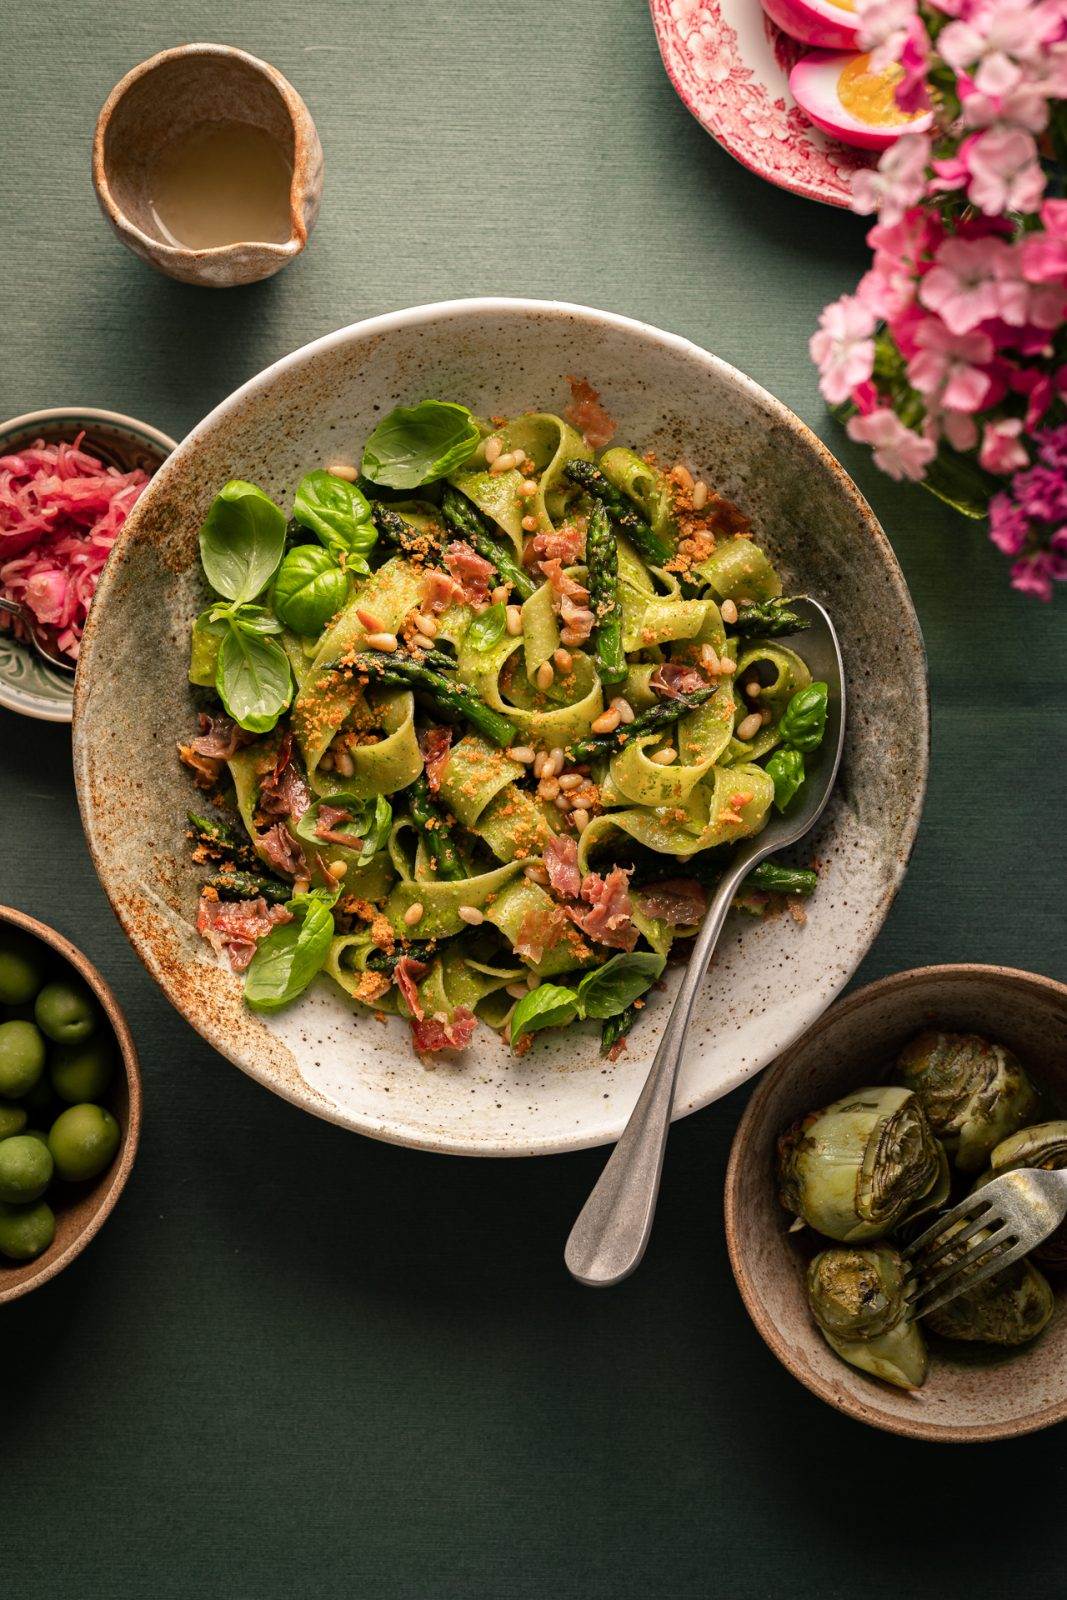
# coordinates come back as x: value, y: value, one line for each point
x: 69, y: 478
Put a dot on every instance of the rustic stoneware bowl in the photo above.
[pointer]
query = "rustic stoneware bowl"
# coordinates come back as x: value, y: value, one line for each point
x: 161, y: 98
x: 971, y: 1392
x: 770, y: 980
x: 81, y: 1209
x: 27, y: 684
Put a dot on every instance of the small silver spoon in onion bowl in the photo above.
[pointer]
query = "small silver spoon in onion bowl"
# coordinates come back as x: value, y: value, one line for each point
x: 37, y: 637
x: 613, y: 1227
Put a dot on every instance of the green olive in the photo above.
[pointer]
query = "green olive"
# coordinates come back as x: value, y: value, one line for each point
x: 12, y: 1119
x: 83, y: 1141
x: 21, y: 967
x: 65, y: 1012
x: 25, y: 1231
x: 82, y: 1071
x: 21, y: 1057
x: 25, y: 1169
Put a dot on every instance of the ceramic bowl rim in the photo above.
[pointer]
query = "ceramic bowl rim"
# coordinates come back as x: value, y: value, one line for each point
x: 50, y: 1265
x: 747, y: 1129
x: 63, y: 710
x: 400, y: 1131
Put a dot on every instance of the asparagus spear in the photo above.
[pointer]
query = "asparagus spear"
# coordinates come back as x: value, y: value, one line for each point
x: 451, y: 700
x: 650, y: 721
x: 612, y: 1029
x: 431, y: 824
x: 249, y: 886
x: 222, y: 838
x: 779, y: 879
x: 767, y: 618
x: 397, y: 535
x: 468, y: 522
x: 386, y: 960
x: 602, y: 562
x: 652, y: 545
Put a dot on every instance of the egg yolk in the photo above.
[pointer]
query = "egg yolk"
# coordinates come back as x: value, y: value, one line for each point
x: 868, y: 96
x: 844, y: 5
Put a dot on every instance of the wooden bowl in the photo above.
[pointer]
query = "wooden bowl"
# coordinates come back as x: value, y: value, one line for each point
x: 972, y: 1392
x: 80, y: 1218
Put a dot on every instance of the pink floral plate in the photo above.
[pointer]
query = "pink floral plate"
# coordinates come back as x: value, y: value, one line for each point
x: 730, y: 66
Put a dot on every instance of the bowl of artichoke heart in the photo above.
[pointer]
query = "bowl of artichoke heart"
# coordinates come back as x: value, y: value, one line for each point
x: 894, y: 1106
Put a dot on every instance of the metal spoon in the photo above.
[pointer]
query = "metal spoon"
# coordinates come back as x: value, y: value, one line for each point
x: 37, y: 636
x: 613, y: 1228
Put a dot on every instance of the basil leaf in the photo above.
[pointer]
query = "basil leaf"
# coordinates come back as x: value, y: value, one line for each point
x: 786, y: 768
x: 339, y: 515
x: 292, y: 953
x: 550, y: 1005
x: 310, y: 589
x: 252, y: 678
x: 207, y: 636
x: 253, y: 619
x: 369, y: 823
x: 618, y: 983
x: 803, y: 722
x: 486, y: 628
x: 418, y: 444
x: 241, y: 541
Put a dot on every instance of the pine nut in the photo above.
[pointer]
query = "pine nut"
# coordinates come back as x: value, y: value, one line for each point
x: 503, y: 463
x: 580, y: 818
x: 544, y: 677
x: 529, y: 523
x: 500, y: 593
x: 563, y: 802
x: 414, y: 913
x: 700, y: 495
x: 536, y: 874
x: 539, y: 763
x: 421, y: 642
x: 607, y: 721
x: 753, y: 687
x: 548, y: 788
x: 517, y: 991
x: 471, y: 915
x: 663, y: 758
x: 555, y: 763
x: 527, y: 488
x: 343, y: 763
x: 371, y: 621
x: 729, y: 611
x: 683, y: 476
x: 326, y: 762
x: 338, y: 869
x: 726, y: 665
x: 571, y: 781
x: 532, y: 981
x: 708, y: 659
x: 522, y: 754
x: 750, y: 726
x: 493, y: 447
x: 425, y: 624
x: 562, y: 659
x: 572, y: 636
x: 381, y: 641
x: 744, y: 600
x: 341, y: 469
x: 514, y: 621
x: 624, y: 708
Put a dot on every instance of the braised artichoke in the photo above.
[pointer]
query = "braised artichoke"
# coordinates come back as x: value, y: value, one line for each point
x: 857, y: 1299
x: 1009, y: 1308
x: 861, y: 1166
x: 974, y: 1093
x: 1044, y: 1145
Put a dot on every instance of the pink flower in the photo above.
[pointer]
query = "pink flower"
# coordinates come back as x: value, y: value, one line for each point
x: 1044, y: 256
x: 897, y: 183
x: 1037, y: 386
x: 898, y: 450
x: 1034, y: 574
x: 1054, y: 216
x: 1009, y: 527
x: 843, y: 349
x: 883, y: 28
x: 1052, y: 446
x: 1016, y: 28
x: 1005, y: 173
x: 1003, y: 92
x: 1001, y: 450
x: 947, y: 368
x: 961, y: 286
x: 1029, y: 292
x: 958, y: 427
x: 910, y: 93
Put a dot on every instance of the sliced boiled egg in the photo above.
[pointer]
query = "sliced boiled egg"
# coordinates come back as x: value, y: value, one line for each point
x: 828, y: 23
x: 855, y: 105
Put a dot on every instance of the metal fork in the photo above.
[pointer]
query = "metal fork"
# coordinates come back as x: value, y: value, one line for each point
x: 38, y: 638
x: 1011, y: 1215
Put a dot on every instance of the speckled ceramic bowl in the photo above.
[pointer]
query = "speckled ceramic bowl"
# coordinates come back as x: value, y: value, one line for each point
x: 27, y: 684
x: 972, y: 1392
x: 769, y: 981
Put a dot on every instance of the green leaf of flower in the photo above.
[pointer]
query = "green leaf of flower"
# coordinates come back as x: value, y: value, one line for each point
x: 339, y: 516
x: 252, y: 678
x: 487, y: 628
x: 786, y: 770
x: 803, y: 722
x: 241, y: 541
x: 618, y: 983
x: 418, y: 444
x: 310, y: 589
x: 292, y: 953
x: 550, y: 1005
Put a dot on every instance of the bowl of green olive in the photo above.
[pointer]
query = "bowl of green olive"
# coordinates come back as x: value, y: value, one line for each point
x: 70, y: 1102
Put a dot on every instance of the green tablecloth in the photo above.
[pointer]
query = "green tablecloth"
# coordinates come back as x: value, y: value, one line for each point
x: 300, y: 1363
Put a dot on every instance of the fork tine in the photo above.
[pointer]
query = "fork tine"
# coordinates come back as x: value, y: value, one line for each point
x: 1004, y: 1259
x: 996, y: 1236
x: 974, y: 1206
x: 924, y: 1262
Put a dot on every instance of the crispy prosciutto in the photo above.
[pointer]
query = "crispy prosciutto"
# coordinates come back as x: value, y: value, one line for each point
x: 470, y: 570
x: 329, y: 826
x: 406, y: 975
x: 439, y: 591
x: 539, y: 931
x: 435, y: 744
x: 608, y: 920
x: 236, y: 926
x: 563, y: 585
x: 566, y: 545
x: 673, y: 680
x: 219, y: 738
x: 430, y: 1034
x: 284, y: 792
x: 281, y: 851
x: 561, y: 864
x: 679, y: 902
x: 586, y: 413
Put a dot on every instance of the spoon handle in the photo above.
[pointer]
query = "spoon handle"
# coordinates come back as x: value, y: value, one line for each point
x: 613, y: 1227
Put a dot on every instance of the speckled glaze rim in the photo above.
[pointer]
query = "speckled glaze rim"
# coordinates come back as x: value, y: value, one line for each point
x: 747, y: 1131
x: 401, y: 1132
x: 50, y: 1264
x: 60, y: 707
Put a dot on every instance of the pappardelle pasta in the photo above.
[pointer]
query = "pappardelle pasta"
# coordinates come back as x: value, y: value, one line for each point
x: 480, y: 719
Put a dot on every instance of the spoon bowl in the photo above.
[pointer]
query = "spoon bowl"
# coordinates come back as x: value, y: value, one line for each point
x: 614, y: 1226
